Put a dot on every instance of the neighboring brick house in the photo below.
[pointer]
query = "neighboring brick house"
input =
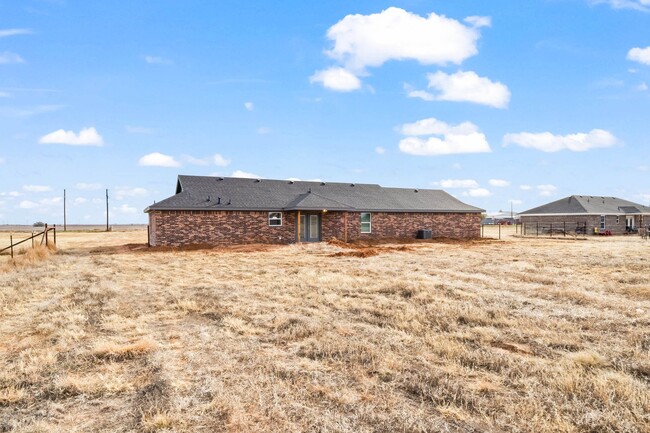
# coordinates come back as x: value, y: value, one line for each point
x: 587, y: 214
x: 227, y: 211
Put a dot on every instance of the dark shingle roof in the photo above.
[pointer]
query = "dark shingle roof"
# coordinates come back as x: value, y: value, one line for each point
x: 586, y: 204
x: 229, y: 193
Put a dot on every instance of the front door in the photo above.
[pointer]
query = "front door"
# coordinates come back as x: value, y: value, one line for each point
x: 310, y: 228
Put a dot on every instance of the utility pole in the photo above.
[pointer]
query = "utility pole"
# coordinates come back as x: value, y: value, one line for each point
x: 106, y: 209
x: 65, y: 227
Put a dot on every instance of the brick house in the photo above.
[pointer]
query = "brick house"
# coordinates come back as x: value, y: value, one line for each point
x: 228, y: 211
x: 587, y: 214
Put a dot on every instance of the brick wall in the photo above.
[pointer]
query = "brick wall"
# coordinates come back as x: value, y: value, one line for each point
x: 402, y: 225
x: 177, y: 228
x: 592, y: 221
x: 227, y: 228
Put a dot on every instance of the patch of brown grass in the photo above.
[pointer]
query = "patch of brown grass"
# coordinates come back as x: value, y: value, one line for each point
x: 483, y: 336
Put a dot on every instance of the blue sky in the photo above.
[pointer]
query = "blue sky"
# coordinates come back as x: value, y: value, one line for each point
x: 494, y: 104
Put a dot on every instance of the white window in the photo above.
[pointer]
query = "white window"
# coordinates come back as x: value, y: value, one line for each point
x: 275, y: 218
x: 366, y: 222
x: 602, y: 222
x: 617, y: 220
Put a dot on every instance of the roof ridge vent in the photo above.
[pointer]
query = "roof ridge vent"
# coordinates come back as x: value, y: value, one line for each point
x: 291, y: 182
x: 258, y: 180
x: 208, y: 198
x: 219, y: 178
x: 323, y: 183
x: 351, y: 184
x: 416, y: 190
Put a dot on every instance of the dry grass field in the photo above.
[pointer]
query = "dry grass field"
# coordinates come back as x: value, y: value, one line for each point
x: 518, y: 335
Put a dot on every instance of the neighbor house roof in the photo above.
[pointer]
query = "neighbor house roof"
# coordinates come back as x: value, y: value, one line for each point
x: 588, y: 204
x: 237, y: 194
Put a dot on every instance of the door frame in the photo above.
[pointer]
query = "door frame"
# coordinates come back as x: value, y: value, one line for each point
x: 307, y: 226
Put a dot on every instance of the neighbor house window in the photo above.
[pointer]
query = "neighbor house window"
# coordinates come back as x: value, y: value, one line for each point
x: 617, y: 220
x: 275, y: 218
x: 366, y: 222
x: 602, y: 221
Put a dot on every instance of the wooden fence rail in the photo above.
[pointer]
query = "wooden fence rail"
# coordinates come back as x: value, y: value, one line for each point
x: 44, y: 239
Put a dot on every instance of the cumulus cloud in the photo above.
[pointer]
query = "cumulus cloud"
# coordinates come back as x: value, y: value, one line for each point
x: 444, y: 139
x: 88, y: 186
x: 380, y: 150
x: 546, y: 190
x: 26, y: 204
x: 421, y: 94
x: 548, y: 142
x: 363, y: 41
x: 643, y: 87
x: 157, y: 159
x: 156, y: 60
x: 4, y: 33
x: 126, y: 209
x: 458, y: 183
x: 86, y: 137
x: 479, y: 21
x: 244, y: 174
x: 499, y: 183
x: 338, y: 79
x: 216, y: 159
x: 641, y: 55
x: 7, y: 58
x: 477, y: 192
x: 37, y: 188
x: 468, y: 87
x: 249, y: 106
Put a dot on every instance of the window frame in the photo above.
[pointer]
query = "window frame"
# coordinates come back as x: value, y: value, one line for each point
x: 273, y: 219
x: 368, y: 223
x: 602, y: 222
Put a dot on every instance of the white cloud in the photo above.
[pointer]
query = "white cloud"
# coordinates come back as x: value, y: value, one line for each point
x: 157, y: 159
x: 5, y: 95
x: 86, y: 137
x: 219, y: 160
x: 10, y: 194
x: 216, y: 159
x: 88, y: 186
x: 338, y: 79
x: 26, y: 204
x: 244, y: 174
x: 380, y: 150
x: 458, y: 183
x: 456, y: 166
x: 126, y: 209
x: 14, y: 32
x: 422, y: 94
x: 477, y: 192
x: 37, y: 188
x: 444, y: 139
x: 122, y: 192
x: 28, y: 112
x: 641, y: 55
x: 156, y: 60
x: 469, y: 87
x: 499, y: 183
x: 516, y: 202
x: 361, y: 41
x: 547, y: 142
x: 51, y: 201
x: 7, y: 58
x: 2, y: 161
x: 525, y: 187
x: 478, y: 21
x: 139, y: 130
x: 546, y: 190
x: 249, y: 106
x: 643, y: 87
x: 79, y: 200
x: 639, y: 5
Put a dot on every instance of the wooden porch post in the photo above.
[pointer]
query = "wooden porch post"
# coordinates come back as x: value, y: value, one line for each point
x: 298, y: 234
x: 345, y: 227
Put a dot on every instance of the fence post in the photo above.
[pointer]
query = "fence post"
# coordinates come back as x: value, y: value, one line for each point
x: 499, y: 231
x: 54, y: 234
x: 46, y: 238
x: 564, y: 230
x: 11, y: 242
x: 537, y: 230
x: 32, y: 239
